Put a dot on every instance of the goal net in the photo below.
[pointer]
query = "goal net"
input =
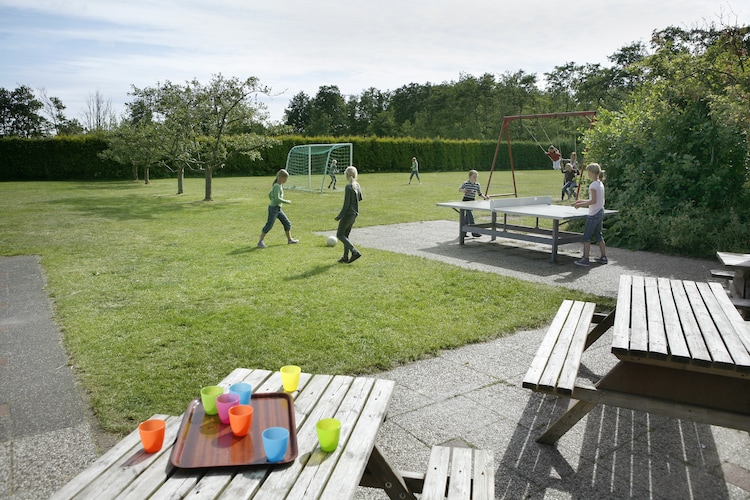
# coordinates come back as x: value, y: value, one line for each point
x: 309, y: 165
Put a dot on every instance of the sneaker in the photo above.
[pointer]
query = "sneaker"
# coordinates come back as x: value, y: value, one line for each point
x: 354, y: 257
x: 601, y: 260
x: 292, y: 241
x: 261, y: 244
x: 584, y: 262
x: 476, y: 235
x: 343, y: 260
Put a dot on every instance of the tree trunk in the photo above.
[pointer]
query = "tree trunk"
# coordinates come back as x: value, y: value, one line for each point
x: 135, y: 173
x: 146, y: 176
x: 180, y: 179
x: 209, y: 178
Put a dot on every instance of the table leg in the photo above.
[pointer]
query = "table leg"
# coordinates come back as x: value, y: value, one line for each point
x: 576, y: 412
x: 461, y: 221
x: 494, y: 226
x: 555, y: 235
x: 380, y: 473
x: 739, y: 284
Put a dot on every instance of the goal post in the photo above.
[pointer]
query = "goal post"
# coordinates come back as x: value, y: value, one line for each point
x: 309, y: 165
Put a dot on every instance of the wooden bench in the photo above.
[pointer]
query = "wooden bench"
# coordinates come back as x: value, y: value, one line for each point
x: 555, y: 365
x: 459, y: 474
x: 743, y: 305
x: 723, y: 274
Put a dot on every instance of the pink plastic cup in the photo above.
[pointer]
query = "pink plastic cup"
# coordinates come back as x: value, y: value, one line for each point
x: 223, y: 403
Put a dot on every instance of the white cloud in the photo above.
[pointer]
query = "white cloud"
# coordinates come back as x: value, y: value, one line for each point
x: 77, y: 47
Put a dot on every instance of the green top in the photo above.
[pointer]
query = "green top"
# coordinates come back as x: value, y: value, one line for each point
x: 277, y: 195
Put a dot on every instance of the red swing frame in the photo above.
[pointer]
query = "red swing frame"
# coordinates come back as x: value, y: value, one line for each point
x: 590, y: 116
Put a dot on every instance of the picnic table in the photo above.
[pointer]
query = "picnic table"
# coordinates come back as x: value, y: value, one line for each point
x: 740, y: 264
x: 361, y: 403
x: 538, y: 207
x: 683, y: 351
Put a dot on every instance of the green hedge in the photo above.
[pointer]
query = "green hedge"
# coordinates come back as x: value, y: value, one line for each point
x: 76, y: 157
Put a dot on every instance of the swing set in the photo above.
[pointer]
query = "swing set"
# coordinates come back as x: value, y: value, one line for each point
x: 505, y: 131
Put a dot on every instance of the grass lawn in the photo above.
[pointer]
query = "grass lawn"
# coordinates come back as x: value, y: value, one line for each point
x: 158, y: 294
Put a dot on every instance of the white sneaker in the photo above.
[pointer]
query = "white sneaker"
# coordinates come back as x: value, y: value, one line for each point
x: 261, y: 244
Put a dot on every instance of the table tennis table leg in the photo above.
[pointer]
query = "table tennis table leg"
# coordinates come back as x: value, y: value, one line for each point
x: 494, y: 226
x: 555, y: 235
x: 461, y: 221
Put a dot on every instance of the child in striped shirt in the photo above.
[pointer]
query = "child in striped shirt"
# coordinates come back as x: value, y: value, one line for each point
x: 471, y: 189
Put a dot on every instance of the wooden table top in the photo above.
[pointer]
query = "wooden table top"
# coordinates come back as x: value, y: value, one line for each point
x: 680, y: 324
x: 738, y: 260
x: 361, y: 403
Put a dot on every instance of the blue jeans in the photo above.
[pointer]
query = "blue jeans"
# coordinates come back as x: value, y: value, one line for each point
x: 275, y: 212
x: 593, y: 230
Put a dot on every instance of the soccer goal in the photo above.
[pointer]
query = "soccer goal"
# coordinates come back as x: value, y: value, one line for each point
x: 309, y: 165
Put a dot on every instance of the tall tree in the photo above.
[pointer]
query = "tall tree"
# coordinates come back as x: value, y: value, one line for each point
x: 98, y: 115
x: 19, y: 113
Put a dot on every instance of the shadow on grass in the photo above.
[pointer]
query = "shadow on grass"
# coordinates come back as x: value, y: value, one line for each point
x: 310, y: 272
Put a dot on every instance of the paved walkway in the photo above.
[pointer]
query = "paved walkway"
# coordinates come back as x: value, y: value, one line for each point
x: 468, y: 396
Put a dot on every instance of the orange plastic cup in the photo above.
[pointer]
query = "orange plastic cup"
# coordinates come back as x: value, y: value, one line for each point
x: 241, y: 419
x: 152, y: 434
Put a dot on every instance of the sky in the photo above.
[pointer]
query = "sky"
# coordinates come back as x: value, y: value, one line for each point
x: 74, y: 48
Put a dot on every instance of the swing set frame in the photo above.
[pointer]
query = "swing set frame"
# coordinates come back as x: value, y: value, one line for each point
x: 505, y: 131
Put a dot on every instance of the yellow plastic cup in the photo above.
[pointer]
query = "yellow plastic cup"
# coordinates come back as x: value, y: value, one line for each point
x: 329, y: 431
x: 208, y: 398
x: 290, y: 377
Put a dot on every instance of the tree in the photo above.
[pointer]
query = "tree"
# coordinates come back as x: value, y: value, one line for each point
x: 19, y: 113
x: 194, y: 122
x: 328, y: 112
x: 677, y: 152
x: 98, y: 115
x: 298, y: 113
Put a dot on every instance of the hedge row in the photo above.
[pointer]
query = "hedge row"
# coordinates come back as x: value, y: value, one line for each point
x: 76, y: 157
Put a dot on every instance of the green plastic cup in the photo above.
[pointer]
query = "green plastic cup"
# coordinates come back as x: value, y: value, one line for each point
x: 329, y: 431
x: 208, y: 398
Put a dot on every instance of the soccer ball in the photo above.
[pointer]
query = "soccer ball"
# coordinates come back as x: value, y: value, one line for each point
x: 331, y: 241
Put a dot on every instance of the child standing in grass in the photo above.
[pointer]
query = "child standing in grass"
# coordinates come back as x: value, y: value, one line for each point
x: 414, y: 169
x: 471, y: 189
x: 334, y: 169
x: 348, y: 214
x: 276, y: 195
x: 595, y: 217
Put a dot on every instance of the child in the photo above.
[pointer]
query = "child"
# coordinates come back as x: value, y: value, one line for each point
x: 595, y: 216
x: 276, y: 196
x: 348, y: 214
x: 569, y: 182
x: 470, y: 189
x: 414, y: 169
x: 555, y: 156
x: 332, y: 172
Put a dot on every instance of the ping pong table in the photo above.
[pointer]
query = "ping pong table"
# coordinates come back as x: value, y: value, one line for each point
x: 539, y: 207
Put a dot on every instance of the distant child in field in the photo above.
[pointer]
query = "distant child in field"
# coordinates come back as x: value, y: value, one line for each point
x: 332, y: 171
x: 595, y: 217
x: 555, y: 156
x: 569, y: 182
x: 276, y: 195
x: 348, y: 214
x: 471, y: 189
x: 414, y: 169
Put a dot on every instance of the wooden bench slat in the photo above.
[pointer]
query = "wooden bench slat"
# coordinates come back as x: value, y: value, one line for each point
x: 436, y: 479
x: 699, y: 355
x: 722, y: 274
x: 459, y: 474
x: 539, y: 363
x: 657, y: 338
x: 551, y: 377
x: 569, y: 371
x: 638, y: 321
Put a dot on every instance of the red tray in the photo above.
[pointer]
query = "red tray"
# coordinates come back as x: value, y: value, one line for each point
x: 203, y: 441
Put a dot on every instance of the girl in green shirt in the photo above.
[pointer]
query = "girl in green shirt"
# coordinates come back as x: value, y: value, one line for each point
x: 276, y: 196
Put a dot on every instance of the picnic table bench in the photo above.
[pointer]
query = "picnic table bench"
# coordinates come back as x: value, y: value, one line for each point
x: 683, y: 350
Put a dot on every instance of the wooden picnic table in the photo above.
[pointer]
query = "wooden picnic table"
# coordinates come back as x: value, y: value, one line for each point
x: 361, y: 403
x: 683, y: 350
x: 740, y: 264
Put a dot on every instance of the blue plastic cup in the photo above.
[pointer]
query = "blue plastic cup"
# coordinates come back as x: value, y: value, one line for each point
x: 275, y: 441
x: 243, y: 390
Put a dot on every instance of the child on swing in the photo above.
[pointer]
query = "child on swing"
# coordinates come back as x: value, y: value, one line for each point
x: 555, y: 156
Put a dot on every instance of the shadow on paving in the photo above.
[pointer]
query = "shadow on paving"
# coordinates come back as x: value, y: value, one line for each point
x: 622, y: 453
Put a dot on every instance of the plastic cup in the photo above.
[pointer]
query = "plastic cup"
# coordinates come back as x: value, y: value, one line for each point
x: 275, y: 441
x: 152, y: 434
x: 329, y: 431
x: 223, y: 403
x: 290, y: 377
x: 241, y: 419
x: 243, y: 390
x: 208, y: 398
